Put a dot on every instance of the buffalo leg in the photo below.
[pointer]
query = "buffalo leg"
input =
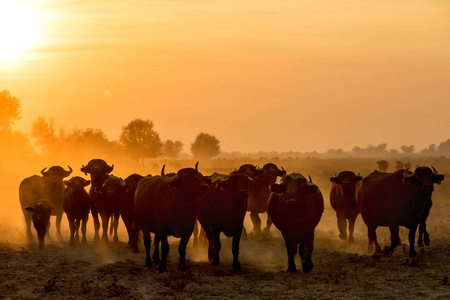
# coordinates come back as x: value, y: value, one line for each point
x: 411, y: 238
x: 115, y: 224
x: 291, y: 251
x: 342, y: 226
x: 394, y: 239
x: 58, y: 225
x: 217, y: 247
x: 72, y: 230
x: 83, y: 230
x: 105, y: 223
x: 307, y: 264
x: 268, y: 225
x: 128, y: 221
x: 210, y: 238
x: 254, y: 216
x: 96, y: 223
x: 351, y: 229
x: 424, y: 237
x: 164, y: 252
x: 235, y: 250
x: 28, y: 217
x: 155, y: 257
x: 147, y: 244
x: 77, y: 230
x: 195, y: 233
x: 182, y: 251
x: 372, y: 234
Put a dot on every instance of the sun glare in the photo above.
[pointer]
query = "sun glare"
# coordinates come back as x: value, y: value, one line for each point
x: 18, y: 30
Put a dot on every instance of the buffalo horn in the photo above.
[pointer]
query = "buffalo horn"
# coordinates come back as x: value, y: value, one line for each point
x: 435, y: 172
x: 68, y: 172
x: 168, y: 179
x: 407, y: 175
x: 110, y: 168
x: 196, y: 167
x: 310, y: 180
x: 43, y: 171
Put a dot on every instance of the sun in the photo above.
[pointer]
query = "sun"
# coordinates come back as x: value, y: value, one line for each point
x: 18, y: 30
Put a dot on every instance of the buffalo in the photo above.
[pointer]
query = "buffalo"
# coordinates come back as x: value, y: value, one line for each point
x: 343, y: 201
x: 296, y: 206
x: 76, y: 205
x: 41, y: 212
x: 223, y: 209
x: 167, y: 205
x: 259, y: 193
x: 396, y: 199
x: 49, y: 187
x: 383, y: 165
x: 98, y: 170
x: 127, y: 209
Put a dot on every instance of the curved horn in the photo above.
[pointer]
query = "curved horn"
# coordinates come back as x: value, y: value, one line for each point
x: 310, y: 180
x: 110, y: 168
x: 435, y: 172
x: 43, y: 171
x: 168, y: 179
x: 67, y: 173
x: 196, y: 167
x: 407, y: 175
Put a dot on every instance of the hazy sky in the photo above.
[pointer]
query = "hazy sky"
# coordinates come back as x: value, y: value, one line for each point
x: 259, y: 75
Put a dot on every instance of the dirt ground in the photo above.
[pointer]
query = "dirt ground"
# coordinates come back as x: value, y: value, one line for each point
x: 341, y: 270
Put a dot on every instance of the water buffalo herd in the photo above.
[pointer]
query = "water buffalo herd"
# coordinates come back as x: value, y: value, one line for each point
x: 170, y: 205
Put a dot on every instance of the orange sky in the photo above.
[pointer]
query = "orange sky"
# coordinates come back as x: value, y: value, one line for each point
x: 259, y: 75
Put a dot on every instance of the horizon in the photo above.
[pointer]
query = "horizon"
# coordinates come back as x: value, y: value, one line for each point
x: 259, y: 76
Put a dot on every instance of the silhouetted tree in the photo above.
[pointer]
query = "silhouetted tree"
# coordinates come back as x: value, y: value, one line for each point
x: 444, y: 147
x: 9, y: 109
x: 205, y: 146
x: 140, y: 140
x: 44, y: 133
x: 408, y: 149
x: 431, y: 150
x: 173, y: 149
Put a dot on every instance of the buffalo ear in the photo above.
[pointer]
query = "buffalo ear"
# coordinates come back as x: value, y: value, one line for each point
x: 30, y: 209
x: 87, y: 182
x: 335, y: 179
x: 277, y: 188
x: 66, y: 183
x: 437, y: 178
x: 358, y: 178
x: 410, y: 180
x: 208, y: 181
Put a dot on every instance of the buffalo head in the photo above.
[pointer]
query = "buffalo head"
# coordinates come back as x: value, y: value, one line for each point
x: 190, y: 180
x: 97, y: 166
x: 56, y: 172
x: 294, y: 187
x: 424, y: 178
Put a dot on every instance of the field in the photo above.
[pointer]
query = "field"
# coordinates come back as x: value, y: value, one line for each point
x: 341, y: 271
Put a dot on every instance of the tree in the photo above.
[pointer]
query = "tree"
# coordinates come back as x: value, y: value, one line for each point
x: 205, y: 146
x: 173, y: 149
x: 45, y: 134
x: 408, y: 149
x: 140, y: 140
x: 9, y: 109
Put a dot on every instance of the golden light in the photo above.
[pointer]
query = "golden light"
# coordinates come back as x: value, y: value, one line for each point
x: 18, y: 30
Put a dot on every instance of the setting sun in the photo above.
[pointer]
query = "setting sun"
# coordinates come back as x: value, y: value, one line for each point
x: 18, y: 30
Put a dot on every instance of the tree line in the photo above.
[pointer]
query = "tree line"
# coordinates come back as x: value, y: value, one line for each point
x: 138, y: 139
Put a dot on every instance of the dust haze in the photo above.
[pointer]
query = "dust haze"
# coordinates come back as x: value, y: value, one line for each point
x: 99, y: 271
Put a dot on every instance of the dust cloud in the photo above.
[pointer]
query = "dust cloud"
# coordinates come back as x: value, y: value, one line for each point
x: 108, y: 270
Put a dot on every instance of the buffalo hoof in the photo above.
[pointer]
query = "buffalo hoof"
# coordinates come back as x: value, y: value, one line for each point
x: 84, y: 242
x: 427, y: 241
x: 183, y: 267
x: 155, y: 259
x: 388, y: 250
x: 343, y: 236
x: 292, y: 268
x: 162, y: 267
x: 307, y: 267
x: 412, y: 253
x: 351, y: 240
x: 266, y: 231
x: 215, y: 262
x: 237, y: 266
x: 96, y: 239
x: 148, y: 263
